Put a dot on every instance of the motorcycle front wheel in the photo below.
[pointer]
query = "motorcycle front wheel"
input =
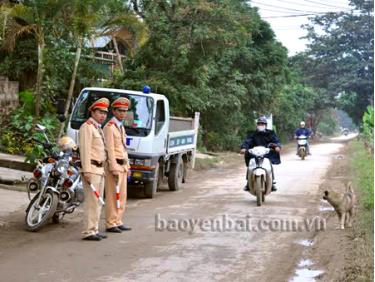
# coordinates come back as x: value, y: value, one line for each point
x: 259, y: 190
x: 36, y: 216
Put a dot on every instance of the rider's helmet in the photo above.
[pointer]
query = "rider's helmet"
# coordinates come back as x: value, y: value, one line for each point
x: 262, y: 120
x: 66, y: 143
x: 302, y: 124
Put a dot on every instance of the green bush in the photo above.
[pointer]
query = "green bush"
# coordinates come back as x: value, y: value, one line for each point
x: 17, y: 132
x: 368, y: 127
x: 362, y: 165
x: 27, y: 100
x: 219, y: 142
x: 328, y: 124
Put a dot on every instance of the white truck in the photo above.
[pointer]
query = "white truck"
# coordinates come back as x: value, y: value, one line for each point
x: 158, y: 145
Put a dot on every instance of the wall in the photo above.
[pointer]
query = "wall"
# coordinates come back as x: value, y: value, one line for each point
x: 8, y: 94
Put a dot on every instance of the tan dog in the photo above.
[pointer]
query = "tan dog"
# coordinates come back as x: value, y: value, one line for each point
x: 343, y: 203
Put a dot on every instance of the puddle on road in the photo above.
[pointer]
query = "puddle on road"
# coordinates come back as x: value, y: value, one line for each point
x: 306, y: 275
x: 325, y: 206
x: 323, y: 209
x: 305, y: 243
x: 305, y: 263
x: 3, y: 223
x: 304, y: 271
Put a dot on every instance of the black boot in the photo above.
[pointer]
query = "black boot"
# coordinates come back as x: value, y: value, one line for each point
x: 274, y: 189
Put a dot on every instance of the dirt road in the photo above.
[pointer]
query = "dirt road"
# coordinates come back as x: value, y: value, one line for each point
x: 163, y: 246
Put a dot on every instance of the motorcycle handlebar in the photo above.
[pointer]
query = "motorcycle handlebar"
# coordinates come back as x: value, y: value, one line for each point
x: 272, y: 145
x: 45, y: 145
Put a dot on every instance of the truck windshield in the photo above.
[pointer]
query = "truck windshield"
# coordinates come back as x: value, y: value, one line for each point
x: 138, y: 120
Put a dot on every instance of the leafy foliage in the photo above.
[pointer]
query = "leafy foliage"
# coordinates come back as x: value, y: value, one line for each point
x: 215, y: 57
x: 17, y: 133
x: 328, y: 125
x: 363, y: 168
x: 368, y: 127
x: 340, y: 61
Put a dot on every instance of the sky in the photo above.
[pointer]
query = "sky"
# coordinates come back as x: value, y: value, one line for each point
x: 284, y: 17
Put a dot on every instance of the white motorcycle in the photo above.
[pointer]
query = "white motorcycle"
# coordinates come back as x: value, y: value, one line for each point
x: 259, y: 174
x: 302, y: 146
x: 57, y: 183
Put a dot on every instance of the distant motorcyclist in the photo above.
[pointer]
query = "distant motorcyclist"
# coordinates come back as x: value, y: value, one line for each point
x: 262, y: 137
x: 302, y: 130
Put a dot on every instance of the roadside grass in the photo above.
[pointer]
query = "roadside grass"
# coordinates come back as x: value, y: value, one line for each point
x: 206, y: 163
x: 362, y: 169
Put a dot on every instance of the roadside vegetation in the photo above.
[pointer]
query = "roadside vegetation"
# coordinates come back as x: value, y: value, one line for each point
x: 362, y: 168
x: 216, y: 57
x: 206, y: 163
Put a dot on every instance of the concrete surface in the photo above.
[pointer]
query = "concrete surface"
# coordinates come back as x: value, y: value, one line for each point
x: 15, y: 162
x: 13, y: 176
x: 11, y: 201
x: 57, y: 253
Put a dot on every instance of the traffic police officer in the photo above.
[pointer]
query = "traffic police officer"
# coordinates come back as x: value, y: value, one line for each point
x: 118, y: 167
x: 93, y: 158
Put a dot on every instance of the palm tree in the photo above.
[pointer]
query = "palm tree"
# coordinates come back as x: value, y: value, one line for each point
x: 130, y: 24
x: 93, y: 18
x: 34, y: 17
x: 86, y: 17
x: 5, y: 10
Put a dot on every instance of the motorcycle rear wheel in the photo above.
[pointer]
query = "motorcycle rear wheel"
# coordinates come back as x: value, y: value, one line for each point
x: 302, y: 153
x: 36, y: 217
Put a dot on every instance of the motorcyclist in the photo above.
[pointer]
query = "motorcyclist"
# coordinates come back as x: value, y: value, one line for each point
x: 302, y: 130
x: 262, y: 137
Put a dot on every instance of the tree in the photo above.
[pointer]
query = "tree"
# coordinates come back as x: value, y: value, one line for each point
x: 120, y: 18
x: 34, y: 17
x: 340, y: 60
x: 216, y: 57
x: 83, y: 23
x: 92, y: 18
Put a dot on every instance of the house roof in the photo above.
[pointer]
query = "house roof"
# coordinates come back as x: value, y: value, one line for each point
x: 98, y: 42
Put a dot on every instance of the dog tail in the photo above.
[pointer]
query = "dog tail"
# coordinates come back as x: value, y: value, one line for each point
x: 349, y: 188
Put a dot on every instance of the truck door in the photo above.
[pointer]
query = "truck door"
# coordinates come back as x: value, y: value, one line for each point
x: 161, y: 128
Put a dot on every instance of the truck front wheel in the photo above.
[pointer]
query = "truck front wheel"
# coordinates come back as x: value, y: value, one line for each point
x: 151, y: 187
x: 176, y: 175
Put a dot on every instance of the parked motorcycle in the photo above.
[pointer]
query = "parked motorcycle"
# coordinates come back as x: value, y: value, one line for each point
x: 57, y: 183
x: 259, y: 174
x: 302, y: 146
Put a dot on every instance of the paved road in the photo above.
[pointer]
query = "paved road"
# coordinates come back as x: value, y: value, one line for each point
x: 156, y: 251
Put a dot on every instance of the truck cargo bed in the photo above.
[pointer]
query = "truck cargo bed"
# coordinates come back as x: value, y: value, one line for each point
x: 180, y: 141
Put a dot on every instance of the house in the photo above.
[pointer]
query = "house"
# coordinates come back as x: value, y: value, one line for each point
x: 111, y: 48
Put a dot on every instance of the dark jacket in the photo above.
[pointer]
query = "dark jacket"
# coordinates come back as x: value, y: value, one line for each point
x: 261, y: 138
x: 303, y: 131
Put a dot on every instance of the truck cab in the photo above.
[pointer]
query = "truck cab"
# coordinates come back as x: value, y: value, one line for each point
x: 158, y: 145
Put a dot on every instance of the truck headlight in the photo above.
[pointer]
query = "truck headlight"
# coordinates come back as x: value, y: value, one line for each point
x: 141, y: 164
